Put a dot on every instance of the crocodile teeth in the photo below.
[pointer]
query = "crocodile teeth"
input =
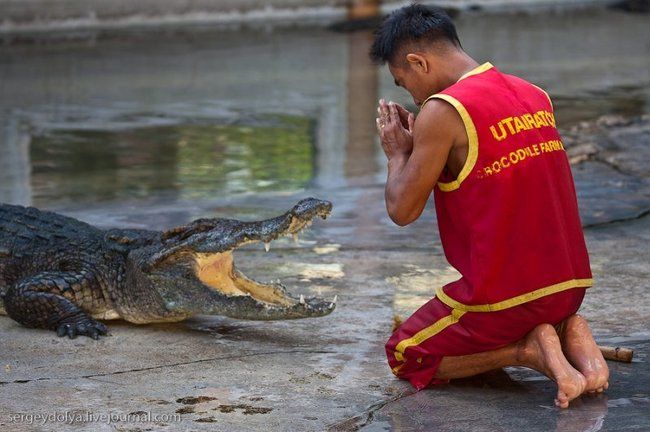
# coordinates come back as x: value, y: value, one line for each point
x: 334, y: 301
x: 267, y: 246
x: 295, y: 238
x: 302, y: 299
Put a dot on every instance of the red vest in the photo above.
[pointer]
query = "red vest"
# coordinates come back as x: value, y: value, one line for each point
x: 509, y: 222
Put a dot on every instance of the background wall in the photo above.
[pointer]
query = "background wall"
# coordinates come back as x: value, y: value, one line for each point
x: 44, y: 15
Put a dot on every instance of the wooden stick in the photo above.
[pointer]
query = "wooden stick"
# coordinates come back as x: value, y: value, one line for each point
x: 617, y: 353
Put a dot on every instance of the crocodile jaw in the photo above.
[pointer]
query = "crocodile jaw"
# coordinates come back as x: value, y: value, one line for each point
x: 232, y: 293
x: 218, y: 272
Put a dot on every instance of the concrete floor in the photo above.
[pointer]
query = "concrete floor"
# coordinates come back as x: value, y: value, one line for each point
x: 214, y: 373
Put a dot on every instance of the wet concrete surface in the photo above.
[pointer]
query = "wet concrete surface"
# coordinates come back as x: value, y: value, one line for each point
x: 518, y: 400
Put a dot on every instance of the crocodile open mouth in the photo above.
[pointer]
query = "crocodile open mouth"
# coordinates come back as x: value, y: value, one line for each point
x: 211, y: 244
x: 219, y: 273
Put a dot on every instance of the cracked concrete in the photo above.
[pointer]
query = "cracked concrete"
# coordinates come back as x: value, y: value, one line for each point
x: 164, y: 366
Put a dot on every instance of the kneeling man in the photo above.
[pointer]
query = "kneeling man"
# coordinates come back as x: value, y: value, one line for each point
x: 486, y: 143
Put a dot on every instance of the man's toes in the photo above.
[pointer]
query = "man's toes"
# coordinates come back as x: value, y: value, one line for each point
x: 603, y: 388
x: 596, y: 383
x: 592, y: 382
x: 591, y: 378
x: 562, y: 400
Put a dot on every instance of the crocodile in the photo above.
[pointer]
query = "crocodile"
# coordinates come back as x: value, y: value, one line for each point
x: 59, y: 273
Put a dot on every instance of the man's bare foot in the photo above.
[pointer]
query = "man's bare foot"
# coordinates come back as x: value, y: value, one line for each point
x: 582, y: 352
x: 542, y: 351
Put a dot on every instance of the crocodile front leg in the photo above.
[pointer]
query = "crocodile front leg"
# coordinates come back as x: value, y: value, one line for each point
x: 47, y: 300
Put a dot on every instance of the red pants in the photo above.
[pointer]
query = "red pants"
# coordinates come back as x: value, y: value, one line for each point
x: 435, y: 331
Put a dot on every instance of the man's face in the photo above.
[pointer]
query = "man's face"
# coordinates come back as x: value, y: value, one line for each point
x: 413, y: 80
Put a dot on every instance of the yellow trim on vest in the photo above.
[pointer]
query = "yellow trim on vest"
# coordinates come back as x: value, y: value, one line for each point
x: 477, y: 70
x: 546, y: 93
x: 514, y: 301
x: 426, y: 333
x: 472, y: 138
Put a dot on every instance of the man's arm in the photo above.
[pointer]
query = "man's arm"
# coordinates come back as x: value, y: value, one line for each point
x: 413, y: 175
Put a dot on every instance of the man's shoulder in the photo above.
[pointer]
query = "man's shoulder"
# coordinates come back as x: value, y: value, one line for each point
x: 437, y: 110
x: 439, y: 118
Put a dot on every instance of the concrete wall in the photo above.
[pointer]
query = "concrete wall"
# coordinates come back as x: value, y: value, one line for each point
x: 29, y: 15
x: 50, y: 15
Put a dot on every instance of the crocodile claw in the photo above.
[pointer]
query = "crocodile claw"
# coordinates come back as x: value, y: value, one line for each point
x: 85, y: 327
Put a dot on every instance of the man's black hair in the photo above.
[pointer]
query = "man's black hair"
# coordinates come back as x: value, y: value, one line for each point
x: 413, y: 23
